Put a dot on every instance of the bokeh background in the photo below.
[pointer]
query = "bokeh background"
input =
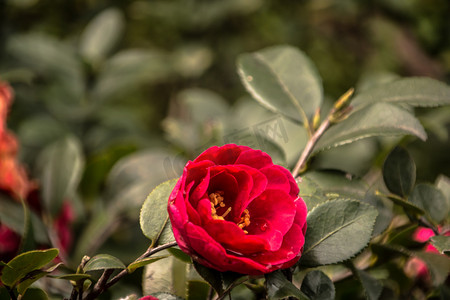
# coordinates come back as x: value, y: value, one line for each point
x: 143, y: 86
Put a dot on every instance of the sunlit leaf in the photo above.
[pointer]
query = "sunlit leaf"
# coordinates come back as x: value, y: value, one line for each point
x: 21, y: 265
x: 416, y: 91
x: 284, y: 80
x: 379, y: 119
x: 154, y: 216
x: 103, y: 262
x: 143, y: 262
x: 347, y: 230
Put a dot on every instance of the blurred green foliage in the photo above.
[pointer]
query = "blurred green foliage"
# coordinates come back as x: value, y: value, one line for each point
x: 143, y: 86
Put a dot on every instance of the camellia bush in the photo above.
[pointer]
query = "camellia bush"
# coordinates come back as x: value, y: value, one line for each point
x: 259, y: 212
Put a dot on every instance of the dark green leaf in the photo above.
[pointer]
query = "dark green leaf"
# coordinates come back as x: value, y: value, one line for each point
x: 213, y: 277
x: 143, y: 262
x: 438, y: 266
x: 25, y: 263
x: 372, y: 287
x: 101, y: 35
x: 408, y: 206
x: 399, y: 172
x: 103, y: 262
x: 35, y: 294
x: 379, y: 119
x: 431, y: 200
x: 197, y: 290
x: 385, y: 213
x: 154, y: 216
x: 441, y: 243
x: 284, y: 80
x: 416, y: 91
x: 279, y: 287
x: 337, y: 230
x: 318, y: 286
x: 60, y: 168
x: 73, y: 277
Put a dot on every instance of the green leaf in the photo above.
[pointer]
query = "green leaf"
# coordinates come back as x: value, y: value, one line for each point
x: 311, y: 192
x: 166, y: 296
x: 438, y: 266
x: 101, y: 35
x: 143, y: 262
x: 103, y: 262
x: 441, y: 243
x: 318, y: 286
x: 60, y: 168
x: 180, y: 254
x: 399, y: 172
x: 431, y: 200
x: 415, y: 91
x: 337, y: 230
x: 35, y: 294
x: 372, y: 287
x: 379, y: 119
x: 73, y: 277
x: 385, y: 213
x: 25, y: 263
x: 154, y: 217
x: 279, y: 287
x: 220, y: 281
x: 283, y: 79
x: 408, y: 206
x: 29, y: 279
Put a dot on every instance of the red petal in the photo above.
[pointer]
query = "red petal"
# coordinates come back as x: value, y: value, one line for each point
x: 276, y: 178
x: 225, y: 155
x: 254, y: 158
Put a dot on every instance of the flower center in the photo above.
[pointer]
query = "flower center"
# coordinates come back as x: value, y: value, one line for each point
x: 217, y: 199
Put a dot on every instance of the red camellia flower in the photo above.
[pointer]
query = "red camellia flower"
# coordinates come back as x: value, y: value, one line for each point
x: 234, y: 210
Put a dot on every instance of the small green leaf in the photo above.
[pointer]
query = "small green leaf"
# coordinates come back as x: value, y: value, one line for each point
x: 103, y: 262
x: 279, y: 287
x: 379, y: 119
x: 29, y: 279
x: 399, y: 172
x: 101, y: 35
x: 318, y: 286
x: 282, y: 79
x: 25, y: 263
x: 73, y: 277
x: 60, y: 168
x: 431, y: 200
x: 441, y: 243
x: 154, y: 217
x: 337, y: 230
x: 372, y: 287
x: 35, y: 294
x: 143, y: 262
x: 415, y: 91
x: 438, y: 266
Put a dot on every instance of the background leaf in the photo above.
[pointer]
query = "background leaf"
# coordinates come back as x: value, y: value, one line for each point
x: 347, y: 230
x: 379, y: 119
x: 103, y: 262
x: 431, y: 200
x: 372, y: 287
x: 416, y: 91
x: 60, y: 168
x: 25, y: 263
x: 283, y: 80
x: 399, y: 172
x: 154, y: 217
x: 441, y: 243
x: 318, y: 286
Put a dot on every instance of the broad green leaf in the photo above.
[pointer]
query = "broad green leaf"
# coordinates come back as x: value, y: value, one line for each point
x: 175, y: 251
x: 318, y: 286
x: 337, y: 230
x: 25, y: 263
x: 385, y: 213
x: 197, y: 290
x: 279, y: 287
x: 415, y: 91
x: 399, y: 172
x: 372, y: 287
x: 283, y: 79
x: 311, y: 192
x: 101, y: 35
x: 443, y: 183
x: 143, y: 262
x: 168, y: 275
x: 154, y: 216
x: 441, y: 243
x: 103, y: 262
x: 438, y: 266
x: 35, y: 294
x: 431, y: 200
x: 379, y: 119
x: 29, y: 279
x: 60, y: 169
x: 408, y: 206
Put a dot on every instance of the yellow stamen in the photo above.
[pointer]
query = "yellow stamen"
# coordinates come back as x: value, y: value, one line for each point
x: 217, y: 200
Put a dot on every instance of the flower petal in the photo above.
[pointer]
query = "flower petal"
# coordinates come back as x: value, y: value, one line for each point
x: 225, y: 155
x: 254, y: 158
